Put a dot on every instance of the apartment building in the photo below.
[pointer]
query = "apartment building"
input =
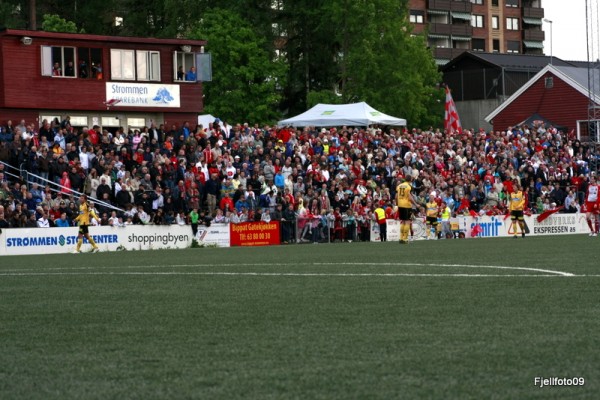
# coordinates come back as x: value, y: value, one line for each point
x: 494, y: 26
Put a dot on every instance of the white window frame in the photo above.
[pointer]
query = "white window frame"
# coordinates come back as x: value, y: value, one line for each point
x: 79, y: 120
x: 512, y: 24
x: 417, y: 18
x: 148, y: 65
x: 477, y: 21
x: 122, y: 64
x: 495, y: 22
x: 134, y: 122
x: 113, y: 122
x: 187, y: 60
x: 48, y: 61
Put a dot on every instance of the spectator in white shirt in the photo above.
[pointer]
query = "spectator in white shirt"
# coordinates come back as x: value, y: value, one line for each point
x: 43, y: 222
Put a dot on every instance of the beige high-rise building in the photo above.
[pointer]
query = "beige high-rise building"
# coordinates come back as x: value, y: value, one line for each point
x: 494, y: 26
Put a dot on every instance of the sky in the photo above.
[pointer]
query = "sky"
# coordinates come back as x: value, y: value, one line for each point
x: 568, y: 29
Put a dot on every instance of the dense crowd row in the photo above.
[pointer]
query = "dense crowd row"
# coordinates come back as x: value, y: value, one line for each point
x: 221, y: 173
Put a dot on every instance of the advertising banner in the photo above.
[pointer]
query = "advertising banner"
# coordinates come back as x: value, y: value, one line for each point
x: 215, y: 234
x: 499, y: 226
x: 142, y: 95
x: 558, y: 224
x: 393, y: 231
x: 64, y: 240
x: 419, y: 230
x: 254, y: 234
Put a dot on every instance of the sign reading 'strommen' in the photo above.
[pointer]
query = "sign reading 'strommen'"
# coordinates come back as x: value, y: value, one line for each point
x: 143, y: 94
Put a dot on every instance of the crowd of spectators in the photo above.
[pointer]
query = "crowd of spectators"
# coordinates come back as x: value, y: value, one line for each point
x: 182, y: 174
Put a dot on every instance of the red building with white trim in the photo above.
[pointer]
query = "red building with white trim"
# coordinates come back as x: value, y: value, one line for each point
x: 558, y: 94
x: 44, y: 75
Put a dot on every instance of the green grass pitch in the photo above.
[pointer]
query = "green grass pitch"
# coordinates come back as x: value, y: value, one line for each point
x: 456, y: 319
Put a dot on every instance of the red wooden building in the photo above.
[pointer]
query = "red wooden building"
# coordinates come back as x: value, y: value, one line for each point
x: 99, y: 80
x: 558, y: 94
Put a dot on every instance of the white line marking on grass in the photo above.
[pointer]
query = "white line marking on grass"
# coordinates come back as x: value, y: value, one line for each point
x: 293, y: 274
x: 543, y: 271
x: 546, y: 271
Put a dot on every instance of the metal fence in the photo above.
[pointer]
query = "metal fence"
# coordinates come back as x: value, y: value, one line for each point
x: 324, y: 229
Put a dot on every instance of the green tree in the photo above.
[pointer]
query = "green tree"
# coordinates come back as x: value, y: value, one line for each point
x: 311, y: 49
x: 13, y: 14
x: 246, y: 79
x: 54, y: 23
x: 382, y: 63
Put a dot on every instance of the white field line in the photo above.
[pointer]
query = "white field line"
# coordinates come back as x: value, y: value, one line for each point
x: 546, y: 271
x: 294, y: 274
x: 74, y: 271
x: 542, y: 271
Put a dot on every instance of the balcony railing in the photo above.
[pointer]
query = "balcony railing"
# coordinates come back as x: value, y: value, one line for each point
x: 535, y: 35
x: 447, y: 29
x: 533, y: 12
x: 464, y: 6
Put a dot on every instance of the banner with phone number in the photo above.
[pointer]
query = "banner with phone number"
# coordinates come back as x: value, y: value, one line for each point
x: 255, y: 234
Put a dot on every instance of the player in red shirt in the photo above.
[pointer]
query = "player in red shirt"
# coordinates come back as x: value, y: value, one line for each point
x: 591, y: 205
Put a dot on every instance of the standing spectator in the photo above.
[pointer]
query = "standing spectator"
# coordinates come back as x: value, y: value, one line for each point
x: 194, y: 217
x: 65, y: 183
x: 382, y: 223
x: 212, y: 190
x: 446, y: 214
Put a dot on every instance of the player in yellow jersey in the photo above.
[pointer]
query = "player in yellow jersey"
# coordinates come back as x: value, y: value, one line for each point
x: 516, y: 206
x: 405, y: 201
x: 431, y: 218
x: 83, y: 220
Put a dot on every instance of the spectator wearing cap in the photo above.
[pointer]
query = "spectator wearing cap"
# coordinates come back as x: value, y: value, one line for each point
x: 279, y: 146
x: 237, y: 162
x: 299, y: 186
x: 492, y: 198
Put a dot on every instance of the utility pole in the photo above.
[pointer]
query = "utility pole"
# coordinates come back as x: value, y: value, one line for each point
x: 550, y: 22
x: 32, y: 15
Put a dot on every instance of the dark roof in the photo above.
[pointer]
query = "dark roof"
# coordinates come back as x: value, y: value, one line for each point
x: 97, y: 38
x: 583, y: 64
x: 511, y: 62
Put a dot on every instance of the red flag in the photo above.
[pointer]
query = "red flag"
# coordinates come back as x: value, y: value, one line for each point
x: 548, y: 213
x: 476, y: 230
x: 451, y: 120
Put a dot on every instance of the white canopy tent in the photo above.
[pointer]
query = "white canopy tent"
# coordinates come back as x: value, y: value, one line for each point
x: 205, y: 119
x: 356, y: 114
